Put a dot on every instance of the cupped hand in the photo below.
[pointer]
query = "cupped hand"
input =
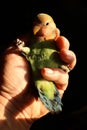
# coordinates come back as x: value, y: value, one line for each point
x: 19, y: 104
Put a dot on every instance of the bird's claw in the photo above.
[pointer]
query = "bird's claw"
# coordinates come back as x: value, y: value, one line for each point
x: 20, y: 44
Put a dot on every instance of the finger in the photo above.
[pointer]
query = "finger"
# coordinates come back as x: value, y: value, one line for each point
x: 57, y: 33
x: 62, y: 88
x: 62, y: 43
x: 68, y: 57
x: 55, y: 74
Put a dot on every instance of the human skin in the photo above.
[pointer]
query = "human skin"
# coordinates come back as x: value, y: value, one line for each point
x: 19, y: 104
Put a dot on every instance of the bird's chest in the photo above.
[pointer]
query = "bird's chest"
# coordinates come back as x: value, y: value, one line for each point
x: 42, y: 54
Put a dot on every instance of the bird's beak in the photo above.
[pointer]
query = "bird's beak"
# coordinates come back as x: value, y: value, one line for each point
x: 36, y: 29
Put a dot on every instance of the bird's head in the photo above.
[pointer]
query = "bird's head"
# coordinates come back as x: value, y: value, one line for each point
x: 44, y: 27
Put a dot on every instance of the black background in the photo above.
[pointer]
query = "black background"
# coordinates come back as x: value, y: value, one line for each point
x: 71, y: 18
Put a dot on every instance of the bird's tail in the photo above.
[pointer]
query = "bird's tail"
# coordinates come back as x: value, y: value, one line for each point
x: 50, y: 99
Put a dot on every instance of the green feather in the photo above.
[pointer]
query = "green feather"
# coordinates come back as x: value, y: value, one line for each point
x: 45, y: 54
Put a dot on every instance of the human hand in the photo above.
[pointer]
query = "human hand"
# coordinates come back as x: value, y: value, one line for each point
x: 19, y: 105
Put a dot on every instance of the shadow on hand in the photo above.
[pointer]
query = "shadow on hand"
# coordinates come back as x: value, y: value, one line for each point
x: 17, y: 103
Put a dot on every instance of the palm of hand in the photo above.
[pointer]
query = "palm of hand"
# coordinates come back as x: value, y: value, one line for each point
x: 20, y: 103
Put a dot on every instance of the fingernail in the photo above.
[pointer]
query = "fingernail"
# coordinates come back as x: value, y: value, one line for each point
x: 50, y: 71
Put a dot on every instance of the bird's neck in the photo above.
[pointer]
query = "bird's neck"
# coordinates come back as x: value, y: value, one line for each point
x: 45, y: 38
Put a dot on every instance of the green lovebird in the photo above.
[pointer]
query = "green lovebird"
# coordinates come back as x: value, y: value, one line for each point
x: 43, y: 53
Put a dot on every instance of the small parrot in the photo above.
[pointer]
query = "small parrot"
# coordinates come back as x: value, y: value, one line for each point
x: 41, y: 53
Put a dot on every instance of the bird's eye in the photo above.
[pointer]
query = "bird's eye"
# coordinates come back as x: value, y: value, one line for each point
x: 47, y: 23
